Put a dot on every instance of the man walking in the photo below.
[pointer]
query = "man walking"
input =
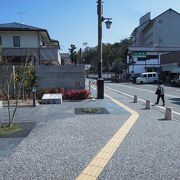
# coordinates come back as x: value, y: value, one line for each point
x: 160, y: 93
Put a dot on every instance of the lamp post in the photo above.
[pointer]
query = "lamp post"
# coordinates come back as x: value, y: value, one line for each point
x: 100, y: 80
x: 34, y: 95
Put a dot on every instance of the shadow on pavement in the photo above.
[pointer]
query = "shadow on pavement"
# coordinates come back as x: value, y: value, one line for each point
x: 163, y: 119
x: 175, y: 101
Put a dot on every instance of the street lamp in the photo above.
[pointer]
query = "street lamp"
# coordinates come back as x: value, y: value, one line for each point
x: 34, y: 95
x: 100, y: 80
x: 108, y: 22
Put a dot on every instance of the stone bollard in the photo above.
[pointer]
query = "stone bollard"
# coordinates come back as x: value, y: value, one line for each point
x: 135, y: 99
x: 148, y: 104
x: 168, y: 114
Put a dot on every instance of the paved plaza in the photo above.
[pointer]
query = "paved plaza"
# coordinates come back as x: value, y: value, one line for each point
x: 62, y: 144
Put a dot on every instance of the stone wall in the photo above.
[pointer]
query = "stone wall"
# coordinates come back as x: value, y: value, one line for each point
x: 67, y: 77
x: 52, y: 76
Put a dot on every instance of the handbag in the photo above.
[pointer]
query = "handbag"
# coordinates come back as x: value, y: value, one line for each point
x: 158, y: 91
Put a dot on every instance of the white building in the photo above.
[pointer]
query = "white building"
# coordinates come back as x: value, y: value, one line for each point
x: 147, y: 58
x: 151, y: 39
x: 17, y: 40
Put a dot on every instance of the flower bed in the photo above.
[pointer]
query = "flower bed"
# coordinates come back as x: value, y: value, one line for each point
x: 76, y: 94
x: 66, y: 94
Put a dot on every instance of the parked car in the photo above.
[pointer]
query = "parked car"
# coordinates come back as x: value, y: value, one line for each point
x: 175, y: 82
x: 133, y: 77
x: 148, y: 77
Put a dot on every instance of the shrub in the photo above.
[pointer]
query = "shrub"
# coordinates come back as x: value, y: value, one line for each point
x: 68, y: 94
x: 39, y: 93
x: 76, y: 94
x: 53, y: 90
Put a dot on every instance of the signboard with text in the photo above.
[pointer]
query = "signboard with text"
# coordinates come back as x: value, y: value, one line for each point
x: 139, y: 54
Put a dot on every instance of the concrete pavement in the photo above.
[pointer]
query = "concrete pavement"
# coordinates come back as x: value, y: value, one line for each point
x: 63, y: 144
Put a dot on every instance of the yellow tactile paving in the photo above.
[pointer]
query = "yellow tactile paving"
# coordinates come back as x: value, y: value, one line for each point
x: 95, y: 167
x: 112, y: 144
x: 104, y: 155
x: 86, y: 177
x: 98, y: 162
x: 108, y: 149
x: 93, y: 171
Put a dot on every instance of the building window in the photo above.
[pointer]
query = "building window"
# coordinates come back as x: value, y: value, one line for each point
x: 16, y: 41
x: 141, y: 58
x: 152, y: 57
x: 160, y: 21
x: 0, y: 41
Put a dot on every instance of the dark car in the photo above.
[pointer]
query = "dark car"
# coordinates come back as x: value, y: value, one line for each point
x: 134, y: 77
x: 175, y: 82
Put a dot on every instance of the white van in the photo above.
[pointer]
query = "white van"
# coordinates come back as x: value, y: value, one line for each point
x: 148, y: 77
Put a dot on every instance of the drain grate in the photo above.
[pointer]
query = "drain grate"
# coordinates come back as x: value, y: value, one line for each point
x: 90, y: 110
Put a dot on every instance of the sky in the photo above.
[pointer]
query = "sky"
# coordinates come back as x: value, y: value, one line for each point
x: 76, y: 21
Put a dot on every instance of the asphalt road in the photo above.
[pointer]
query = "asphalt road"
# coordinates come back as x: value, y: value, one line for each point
x: 150, y: 151
x: 147, y: 92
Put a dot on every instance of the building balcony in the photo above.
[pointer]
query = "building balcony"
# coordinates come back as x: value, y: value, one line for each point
x: 43, y: 55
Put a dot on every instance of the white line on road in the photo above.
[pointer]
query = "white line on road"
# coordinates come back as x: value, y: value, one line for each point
x: 120, y: 92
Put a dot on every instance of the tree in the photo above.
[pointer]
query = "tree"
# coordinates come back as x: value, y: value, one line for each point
x: 9, y: 79
x: 107, y: 56
x: 73, y: 53
x: 112, y: 54
x: 29, y: 79
x: 90, y: 55
x: 120, y: 48
x: 79, y: 56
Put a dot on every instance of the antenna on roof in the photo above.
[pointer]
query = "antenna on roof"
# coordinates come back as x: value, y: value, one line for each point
x: 21, y: 16
x: 149, y: 5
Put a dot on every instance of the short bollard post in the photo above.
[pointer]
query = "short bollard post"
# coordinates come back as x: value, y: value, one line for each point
x: 168, y: 114
x: 135, y: 99
x: 148, y: 104
x: 34, y: 96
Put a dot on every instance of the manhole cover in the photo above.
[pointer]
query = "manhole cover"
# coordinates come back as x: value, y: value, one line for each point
x: 97, y: 110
